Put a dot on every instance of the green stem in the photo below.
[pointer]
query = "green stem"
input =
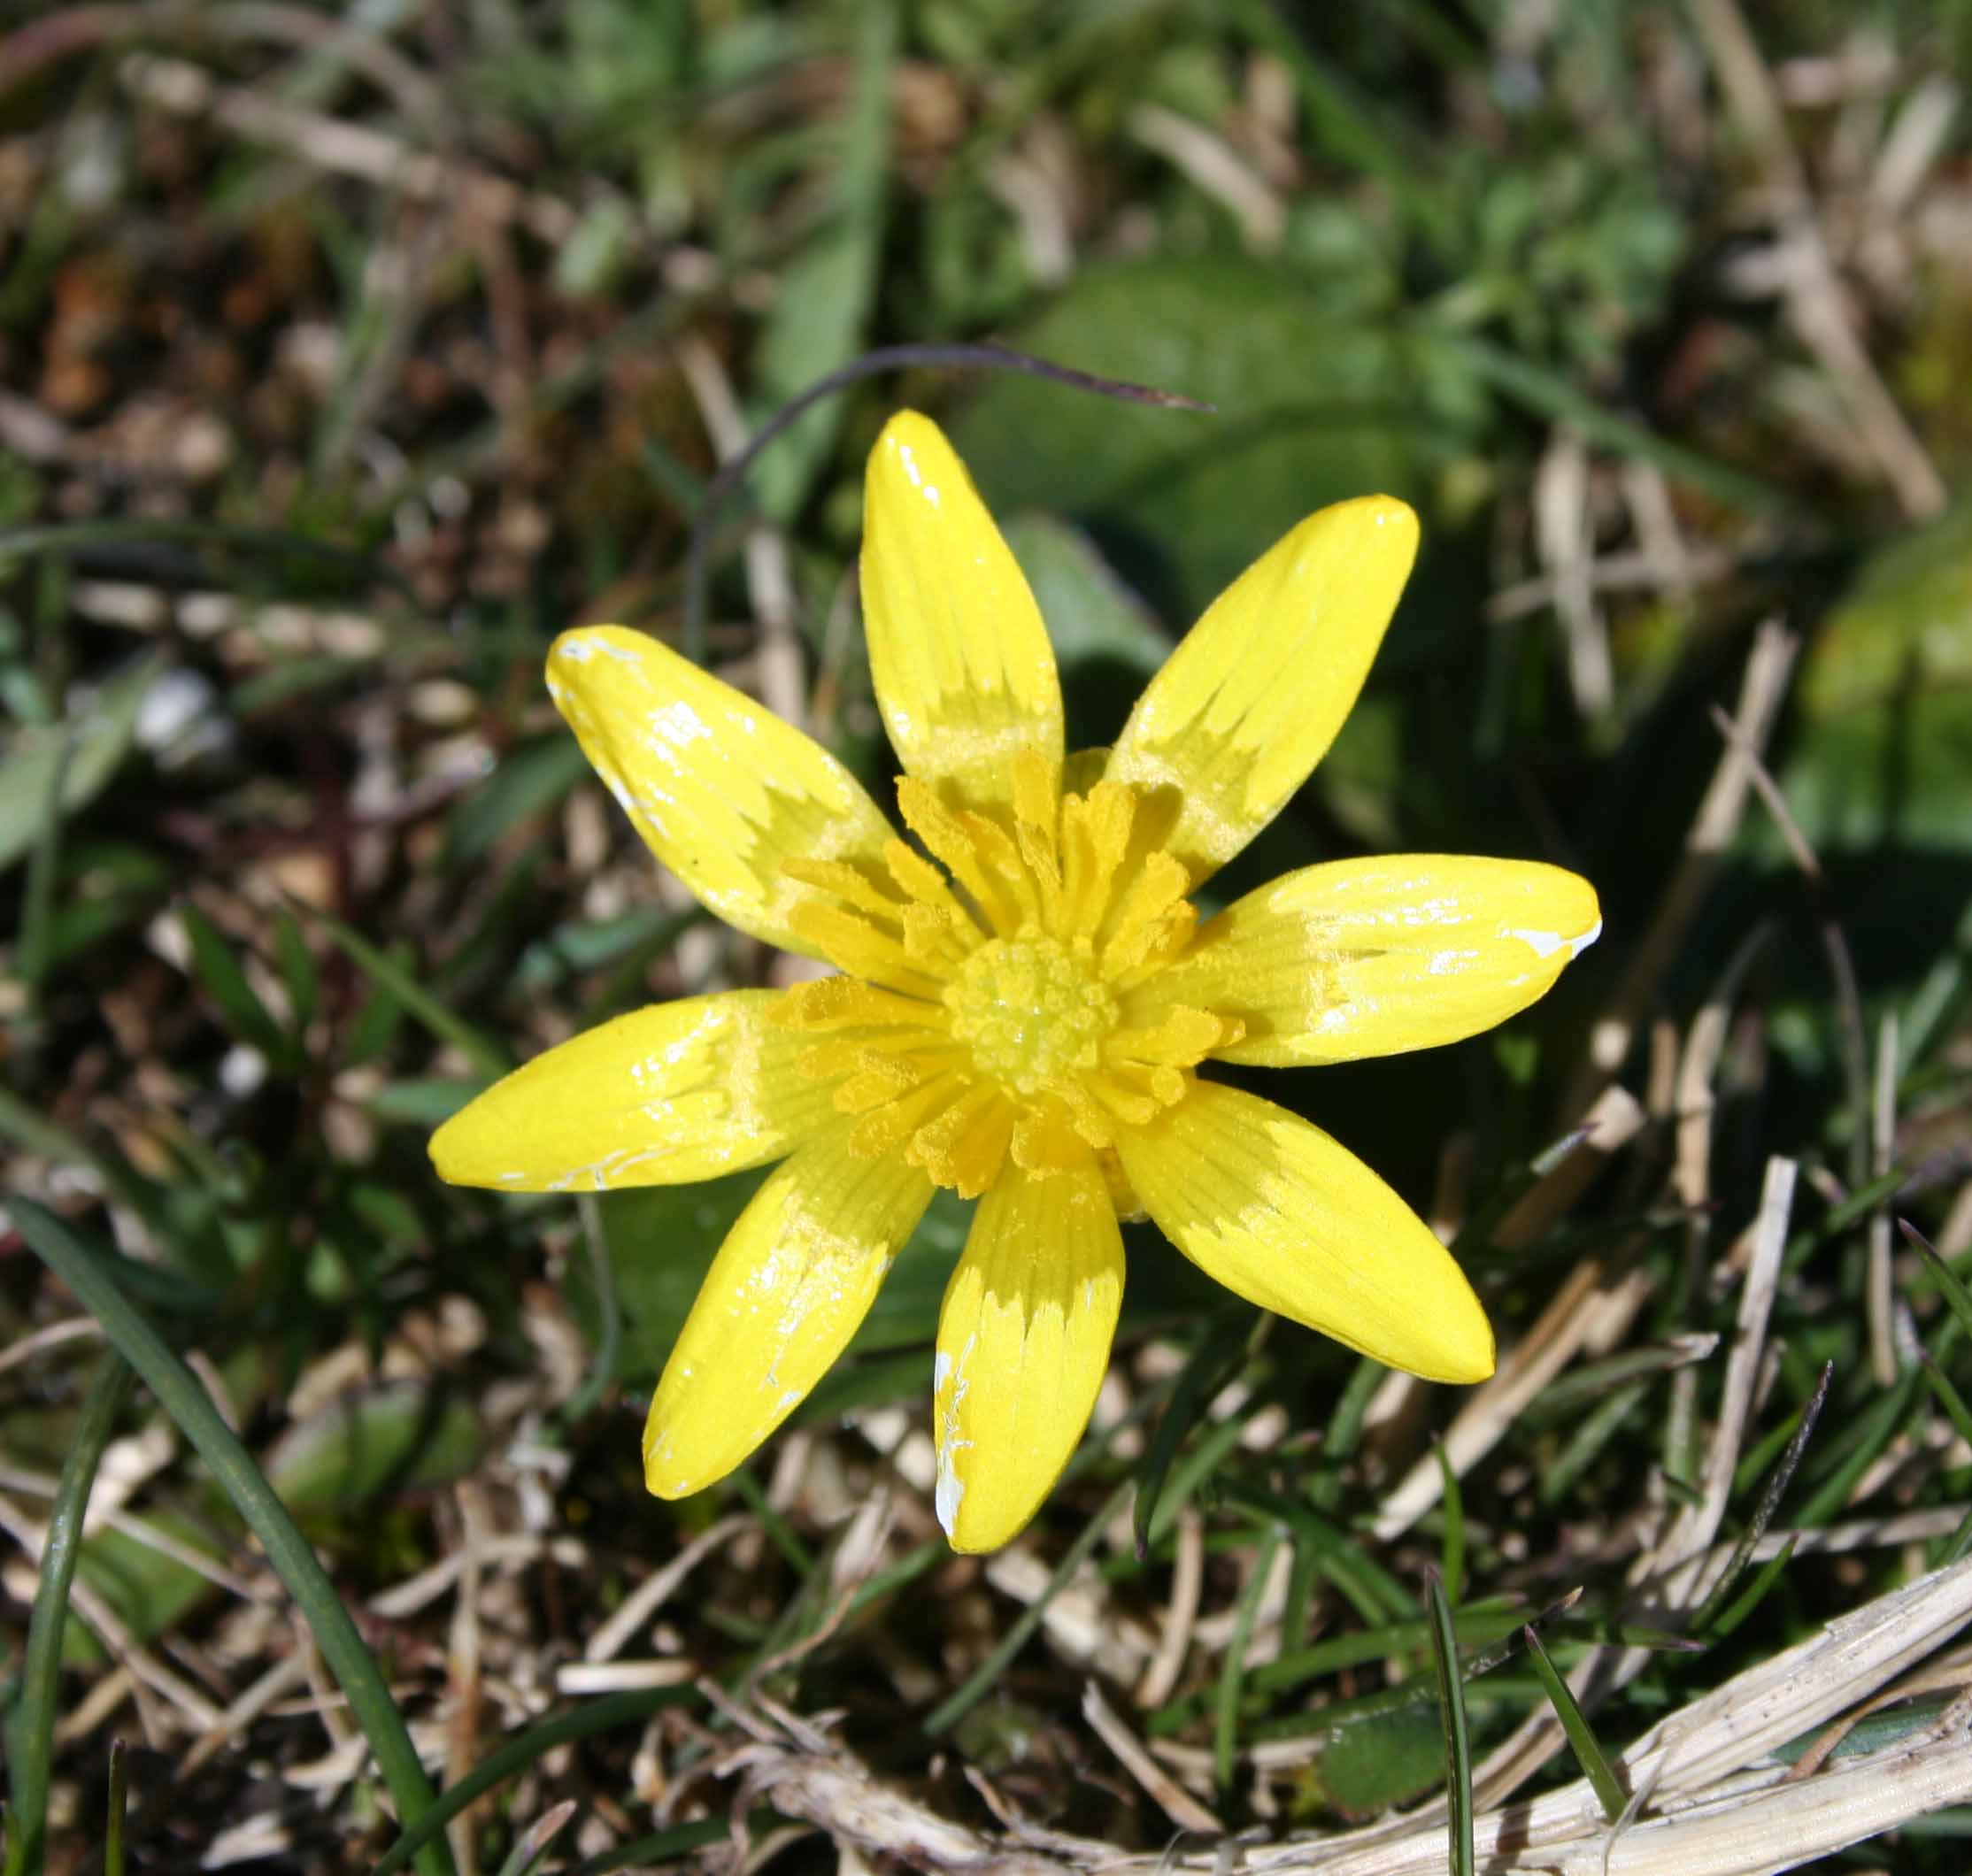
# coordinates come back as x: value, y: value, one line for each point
x: 178, y: 1391
x: 31, y: 1732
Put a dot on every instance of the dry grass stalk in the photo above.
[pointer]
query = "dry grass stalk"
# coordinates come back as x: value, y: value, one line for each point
x: 1710, y: 1798
x: 1713, y: 830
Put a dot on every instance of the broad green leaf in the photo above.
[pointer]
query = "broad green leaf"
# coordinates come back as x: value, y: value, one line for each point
x: 1882, y: 753
x: 1378, y: 1762
x: 1090, y: 613
x: 1314, y: 405
x: 662, y: 1241
x: 394, y: 1437
x: 149, y: 1591
x: 1905, y: 625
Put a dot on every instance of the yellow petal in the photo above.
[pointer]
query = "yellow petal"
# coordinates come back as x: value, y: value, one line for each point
x: 1023, y: 1344
x: 1252, y: 699
x: 1275, y: 1210
x: 678, y: 1091
x: 960, y: 659
x: 1373, y: 957
x: 795, y: 1275
x: 721, y: 790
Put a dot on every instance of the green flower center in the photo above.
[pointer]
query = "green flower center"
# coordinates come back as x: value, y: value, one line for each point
x: 1031, y: 1011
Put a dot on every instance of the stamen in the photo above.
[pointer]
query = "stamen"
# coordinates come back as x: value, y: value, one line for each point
x: 846, y: 882
x: 881, y: 1078
x: 941, y: 831
x: 1157, y: 888
x: 929, y: 939
x: 843, y: 1002
x: 876, y: 1134
x: 965, y: 1146
x: 1047, y: 1139
x: 1133, y: 1107
x: 855, y: 946
x: 1037, y: 808
x: 982, y: 1016
x: 926, y: 885
x: 1184, y: 1039
x: 991, y: 841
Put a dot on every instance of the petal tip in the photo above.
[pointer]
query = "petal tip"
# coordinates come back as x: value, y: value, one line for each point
x: 911, y: 455
x: 443, y: 1150
x: 663, y: 1476
x: 908, y: 427
x: 460, y: 1149
x: 1392, y: 512
x: 1471, y: 1353
x: 582, y: 645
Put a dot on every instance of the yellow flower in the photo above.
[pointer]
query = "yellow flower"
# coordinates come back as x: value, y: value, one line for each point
x: 1022, y: 1016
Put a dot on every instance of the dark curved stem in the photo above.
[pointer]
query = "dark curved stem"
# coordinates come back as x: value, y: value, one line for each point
x: 871, y: 365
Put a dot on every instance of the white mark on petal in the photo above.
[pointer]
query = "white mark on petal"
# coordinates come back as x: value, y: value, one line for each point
x: 946, y: 1493
x: 1546, y: 943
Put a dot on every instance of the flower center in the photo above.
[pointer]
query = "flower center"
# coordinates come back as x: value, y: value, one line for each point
x: 1031, y: 1011
x: 1001, y: 1003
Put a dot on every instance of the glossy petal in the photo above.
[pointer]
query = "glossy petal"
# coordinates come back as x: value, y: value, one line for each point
x: 960, y: 659
x: 1373, y: 957
x: 1252, y: 699
x: 678, y: 1091
x: 1272, y: 1208
x: 1023, y: 1343
x: 722, y: 790
x: 795, y: 1277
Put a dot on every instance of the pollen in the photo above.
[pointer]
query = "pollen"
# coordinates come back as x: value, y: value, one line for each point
x: 1032, y: 1011
x: 999, y: 998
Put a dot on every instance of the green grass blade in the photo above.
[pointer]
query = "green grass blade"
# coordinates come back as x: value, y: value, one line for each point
x: 1875, y: 1429
x: 526, y: 1854
x: 1344, y: 128
x: 981, y: 1681
x: 31, y: 1726
x: 298, y: 968
x: 1755, y: 1592
x: 391, y: 976
x: 1457, y: 1738
x: 1551, y: 396
x: 1225, y: 1725
x: 116, y: 1809
x: 1197, y: 1465
x: 660, y: 1848
x: 525, y: 1749
x: 1948, y: 1397
x: 1475, y: 1626
x: 1222, y: 1347
x: 1769, y: 1500
x: 1588, y: 1753
x: 76, y: 537
x: 180, y: 1394
x: 1954, y: 1291
x: 1859, y: 1204
x: 45, y: 861
x: 220, y: 975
